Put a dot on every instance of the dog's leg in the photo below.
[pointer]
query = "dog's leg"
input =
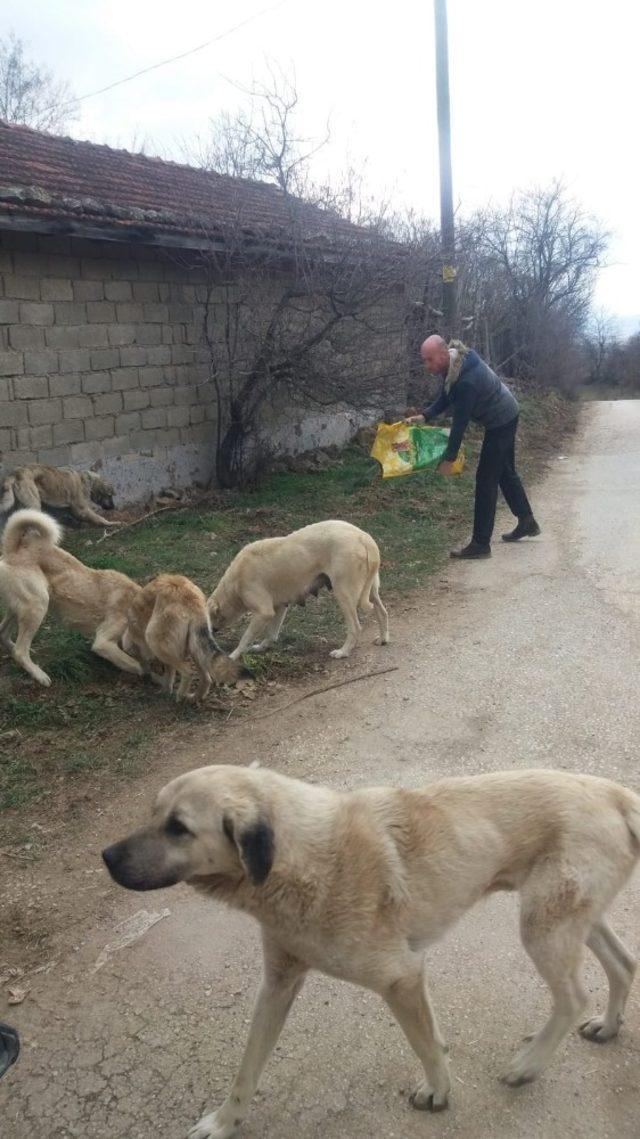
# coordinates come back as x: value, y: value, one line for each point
x: 5, y: 631
x: 409, y: 1002
x: 186, y: 677
x: 619, y: 967
x: 89, y: 515
x: 272, y: 631
x: 556, y: 949
x: 350, y: 614
x: 382, y: 617
x: 283, y: 979
x: 105, y: 644
x: 29, y: 621
x: 253, y: 632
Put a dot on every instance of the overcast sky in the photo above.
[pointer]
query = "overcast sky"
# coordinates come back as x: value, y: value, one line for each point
x: 539, y: 90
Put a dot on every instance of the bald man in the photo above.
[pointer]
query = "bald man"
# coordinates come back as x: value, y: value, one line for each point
x: 471, y: 391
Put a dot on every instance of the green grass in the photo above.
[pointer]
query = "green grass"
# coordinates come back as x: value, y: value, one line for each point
x: 95, y: 724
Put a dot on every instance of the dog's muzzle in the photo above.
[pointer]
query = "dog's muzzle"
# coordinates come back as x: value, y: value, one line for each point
x: 140, y: 864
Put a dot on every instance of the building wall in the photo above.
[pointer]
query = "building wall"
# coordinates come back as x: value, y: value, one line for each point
x: 102, y: 366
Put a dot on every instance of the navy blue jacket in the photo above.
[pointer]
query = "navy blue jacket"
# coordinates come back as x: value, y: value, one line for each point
x: 478, y: 394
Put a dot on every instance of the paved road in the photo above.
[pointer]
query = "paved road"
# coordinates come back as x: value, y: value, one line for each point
x: 530, y: 659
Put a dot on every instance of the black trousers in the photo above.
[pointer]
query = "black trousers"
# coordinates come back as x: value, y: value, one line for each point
x: 497, y: 468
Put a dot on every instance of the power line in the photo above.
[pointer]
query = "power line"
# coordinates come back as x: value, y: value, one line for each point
x: 164, y: 62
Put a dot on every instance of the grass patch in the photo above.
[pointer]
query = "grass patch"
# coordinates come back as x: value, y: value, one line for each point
x: 95, y: 724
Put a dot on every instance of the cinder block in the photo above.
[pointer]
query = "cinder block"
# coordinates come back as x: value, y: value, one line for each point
x: 101, y: 312
x: 11, y: 363
x: 133, y: 356
x: 128, y: 313
x: 77, y: 407
x: 56, y: 289
x: 41, y: 436
x: 151, y: 377
x: 26, y: 336
x: 70, y: 312
x: 130, y: 421
x: 62, y: 336
x: 159, y: 355
x: 168, y: 437
x: 155, y: 314
x: 44, y: 411
x: 13, y: 414
x: 121, y: 334
x: 154, y: 417
x: 105, y: 358
x: 135, y: 400
x: 54, y: 456
x: 118, y: 290
x: 88, y: 291
x: 148, y: 334
x: 31, y: 387
x: 74, y: 360
x: 67, y: 384
x: 23, y: 288
x: 9, y: 312
x: 41, y: 361
x: 93, y: 336
x: 107, y: 404
x: 161, y: 397
x: 177, y: 416
x: 125, y: 379
x: 99, y: 428
x: 146, y: 292
x: 96, y: 383
x: 69, y: 431
x: 85, y: 452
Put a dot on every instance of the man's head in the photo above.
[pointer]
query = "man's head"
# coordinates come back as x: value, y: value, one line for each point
x: 435, y: 355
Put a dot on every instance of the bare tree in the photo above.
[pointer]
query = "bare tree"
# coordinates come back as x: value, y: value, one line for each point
x: 30, y: 94
x: 262, y: 139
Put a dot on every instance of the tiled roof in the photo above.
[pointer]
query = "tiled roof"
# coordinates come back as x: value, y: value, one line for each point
x: 46, y: 177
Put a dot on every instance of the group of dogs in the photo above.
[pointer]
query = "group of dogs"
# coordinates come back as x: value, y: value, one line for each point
x: 354, y: 884
x: 166, y: 627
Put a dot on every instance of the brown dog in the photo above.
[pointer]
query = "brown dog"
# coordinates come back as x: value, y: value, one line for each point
x: 33, y: 487
x: 35, y: 573
x: 358, y: 884
x: 168, y: 621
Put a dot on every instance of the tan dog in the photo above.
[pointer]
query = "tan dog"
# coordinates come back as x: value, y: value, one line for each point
x: 168, y: 620
x: 33, y: 487
x: 358, y: 884
x: 35, y: 573
x: 268, y: 576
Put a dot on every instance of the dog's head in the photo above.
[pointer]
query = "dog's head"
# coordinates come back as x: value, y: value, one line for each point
x: 208, y: 824
x: 224, y: 607
x: 100, y: 491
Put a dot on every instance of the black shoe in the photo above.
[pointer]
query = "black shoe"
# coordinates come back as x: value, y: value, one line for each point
x: 473, y: 550
x: 526, y: 528
x: 9, y: 1047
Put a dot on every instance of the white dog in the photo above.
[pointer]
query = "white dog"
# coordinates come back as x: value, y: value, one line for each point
x: 268, y: 576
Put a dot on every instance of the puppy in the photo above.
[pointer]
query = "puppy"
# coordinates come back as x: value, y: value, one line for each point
x: 35, y: 486
x: 35, y: 573
x: 358, y: 884
x: 268, y: 576
x: 168, y: 620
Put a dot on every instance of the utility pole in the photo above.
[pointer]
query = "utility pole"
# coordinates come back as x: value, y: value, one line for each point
x: 447, y: 230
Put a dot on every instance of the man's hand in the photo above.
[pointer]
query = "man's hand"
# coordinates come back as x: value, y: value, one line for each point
x: 412, y: 420
x: 445, y: 467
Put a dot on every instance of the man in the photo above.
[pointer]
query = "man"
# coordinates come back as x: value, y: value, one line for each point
x: 471, y: 391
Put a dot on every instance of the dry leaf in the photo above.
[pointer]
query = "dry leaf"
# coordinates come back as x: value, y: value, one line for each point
x: 16, y: 995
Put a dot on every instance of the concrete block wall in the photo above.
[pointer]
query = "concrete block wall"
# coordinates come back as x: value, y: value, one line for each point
x: 99, y: 362
x: 102, y: 363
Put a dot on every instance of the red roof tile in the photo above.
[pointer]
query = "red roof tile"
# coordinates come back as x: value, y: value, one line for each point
x: 43, y: 176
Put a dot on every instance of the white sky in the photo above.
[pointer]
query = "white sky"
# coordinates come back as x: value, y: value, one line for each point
x: 539, y: 90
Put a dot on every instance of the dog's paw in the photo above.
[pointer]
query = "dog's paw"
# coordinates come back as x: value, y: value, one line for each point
x: 598, y: 1030
x: 382, y: 640
x: 524, y: 1067
x: 42, y: 678
x: 425, y: 1099
x: 215, y: 1126
x: 339, y: 654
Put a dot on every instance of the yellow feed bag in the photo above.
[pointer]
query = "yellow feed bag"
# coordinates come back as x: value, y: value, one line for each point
x: 403, y: 450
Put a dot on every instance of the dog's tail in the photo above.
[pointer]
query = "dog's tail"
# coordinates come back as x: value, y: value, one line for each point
x: 27, y: 526
x: 8, y: 499
x: 206, y: 652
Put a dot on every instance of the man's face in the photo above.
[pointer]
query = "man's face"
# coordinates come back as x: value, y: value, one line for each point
x: 435, y: 359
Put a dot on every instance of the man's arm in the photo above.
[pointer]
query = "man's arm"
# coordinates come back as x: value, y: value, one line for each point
x: 437, y: 407
x: 462, y: 408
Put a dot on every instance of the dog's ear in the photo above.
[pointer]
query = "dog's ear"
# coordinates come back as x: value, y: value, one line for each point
x: 255, y: 845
